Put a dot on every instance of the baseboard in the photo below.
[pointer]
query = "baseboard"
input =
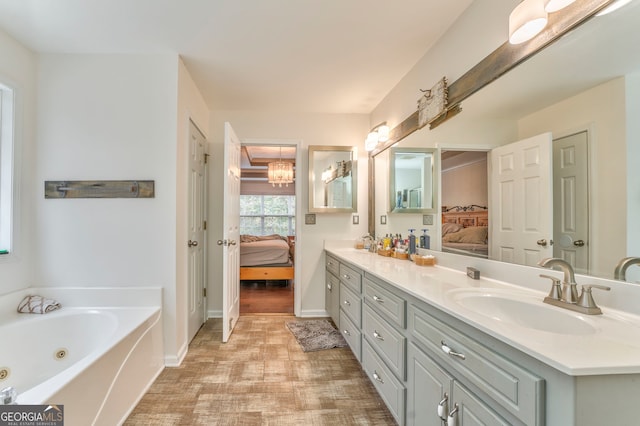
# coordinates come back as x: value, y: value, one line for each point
x: 314, y: 313
x: 211, y: 313
x: 175, y: 361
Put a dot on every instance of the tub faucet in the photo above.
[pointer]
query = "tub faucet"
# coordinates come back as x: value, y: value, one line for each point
x: 569, y: 286
x: 8, y: 396
x: 621, y: 268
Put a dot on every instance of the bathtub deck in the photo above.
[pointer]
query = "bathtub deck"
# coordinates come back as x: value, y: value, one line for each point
x: 261, y: 376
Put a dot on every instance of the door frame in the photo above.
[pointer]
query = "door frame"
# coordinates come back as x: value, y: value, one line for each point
x: 297, y: 259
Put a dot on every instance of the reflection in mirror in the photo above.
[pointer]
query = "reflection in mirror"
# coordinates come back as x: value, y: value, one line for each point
x: 332, y: 179
x: 586, y: 83
x: 412, y: 184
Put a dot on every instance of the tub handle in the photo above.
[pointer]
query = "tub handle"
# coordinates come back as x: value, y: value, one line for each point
x: 8, y: 396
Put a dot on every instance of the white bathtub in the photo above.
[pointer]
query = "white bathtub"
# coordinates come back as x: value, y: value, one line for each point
x: 95, y: 360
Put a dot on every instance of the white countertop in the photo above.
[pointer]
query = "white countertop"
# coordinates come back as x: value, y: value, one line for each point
x: 612, y: 346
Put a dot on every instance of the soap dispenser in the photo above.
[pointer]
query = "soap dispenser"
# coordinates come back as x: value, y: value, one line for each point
x: 412, y: 242
x: 425, y: 240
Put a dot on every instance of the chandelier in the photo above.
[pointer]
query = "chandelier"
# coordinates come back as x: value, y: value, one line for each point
x: 279, y: 172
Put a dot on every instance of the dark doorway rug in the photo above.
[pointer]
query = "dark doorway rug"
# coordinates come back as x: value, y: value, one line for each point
x: 316, y: 335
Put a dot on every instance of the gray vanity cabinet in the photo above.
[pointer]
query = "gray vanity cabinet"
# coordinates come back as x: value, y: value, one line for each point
x: 332, y: 290
x: 343, y: 301
x: 433, y: 392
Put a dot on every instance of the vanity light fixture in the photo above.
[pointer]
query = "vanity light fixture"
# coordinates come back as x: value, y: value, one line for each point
x: 527, y: 20
x: 279, y: 172
x: 555, y: 5
x: 379, y: 134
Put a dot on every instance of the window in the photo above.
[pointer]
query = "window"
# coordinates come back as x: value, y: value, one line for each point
x: 267, y: 214
x: 6, y: 168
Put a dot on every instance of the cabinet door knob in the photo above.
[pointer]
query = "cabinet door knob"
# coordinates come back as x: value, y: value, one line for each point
x: 346, y: 332
x: 377, y: 335
x: 447, y: 350
x: 377, y: 378
x: 346, y: 302
x: 443, y: 408
x: 378, y: 299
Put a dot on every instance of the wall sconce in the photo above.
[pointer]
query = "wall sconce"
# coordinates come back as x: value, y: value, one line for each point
x: 378, y: 134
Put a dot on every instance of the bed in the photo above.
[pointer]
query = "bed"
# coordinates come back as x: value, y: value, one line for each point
x: 466, y: 232
x: 268, y: 257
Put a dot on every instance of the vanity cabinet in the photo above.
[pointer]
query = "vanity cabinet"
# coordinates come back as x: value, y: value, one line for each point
x: 434, y: 394
x: 332, y: 289
x: 343, y: 301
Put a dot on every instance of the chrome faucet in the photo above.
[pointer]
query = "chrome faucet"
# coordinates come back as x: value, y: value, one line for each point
x: 621, y: 268
x: 567, y: 296
x: 569, y: 286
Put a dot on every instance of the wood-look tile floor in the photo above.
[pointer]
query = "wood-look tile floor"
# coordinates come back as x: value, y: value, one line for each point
x: 261, y: 377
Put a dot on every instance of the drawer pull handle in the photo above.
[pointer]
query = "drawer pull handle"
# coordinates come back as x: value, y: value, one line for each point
x: 378, y: 299
x: 346, y: 302
x: 330, y: 263
x: 346, y: 276
x: 329, y: 287
x: 452, y: 419
x: 377, y: 335
x: 447, y: 350
x: 377, y: 378
x: 346, y: 332
x: 443, y: 408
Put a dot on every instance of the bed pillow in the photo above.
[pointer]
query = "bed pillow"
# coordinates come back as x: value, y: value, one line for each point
x: 470, y: 235
x: 448, y: 228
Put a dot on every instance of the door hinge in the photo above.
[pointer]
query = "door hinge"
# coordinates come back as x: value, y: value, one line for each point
x: 206, y: 158
x: 204, y: 292
x: 204, y: 225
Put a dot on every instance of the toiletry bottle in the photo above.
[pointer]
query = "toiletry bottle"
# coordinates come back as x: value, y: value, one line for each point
x: 412, y: 242
x: 425, y: 240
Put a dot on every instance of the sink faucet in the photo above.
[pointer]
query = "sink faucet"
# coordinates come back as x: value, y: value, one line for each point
x: 621, y: 268
x: 569, y: 286
x: 567, y: 296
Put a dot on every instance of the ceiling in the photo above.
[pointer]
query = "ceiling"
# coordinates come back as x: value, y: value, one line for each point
x: 330, y: 56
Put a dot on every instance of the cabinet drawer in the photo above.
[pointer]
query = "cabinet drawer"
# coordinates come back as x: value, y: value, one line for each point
x: 332, y: 264
x: 393, y: 307
x: 351, y: 334
x: 350, y: 303
x: 351, y: 277
x: 390, y: 389
x: 388, y: 342
x: 512, y: 387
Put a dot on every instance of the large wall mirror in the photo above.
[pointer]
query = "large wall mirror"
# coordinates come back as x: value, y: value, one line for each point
x: 585, y: 86
x: 412, y: 181
x: 333, y: 182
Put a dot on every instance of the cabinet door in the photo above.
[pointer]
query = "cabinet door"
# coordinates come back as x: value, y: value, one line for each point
x: 332, y: 297
x: 428, y: 385
x: 472, y: 411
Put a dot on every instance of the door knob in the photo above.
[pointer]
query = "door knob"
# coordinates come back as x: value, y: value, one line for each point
x: 578, y: 243
x: 542, y: 242
x: 192, y: 243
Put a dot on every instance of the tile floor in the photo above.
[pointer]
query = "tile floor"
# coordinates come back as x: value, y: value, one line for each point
x: 261, y: 377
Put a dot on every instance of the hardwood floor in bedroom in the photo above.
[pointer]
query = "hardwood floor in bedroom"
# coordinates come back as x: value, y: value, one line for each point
x: 261, y: 377
x: 266, y: 297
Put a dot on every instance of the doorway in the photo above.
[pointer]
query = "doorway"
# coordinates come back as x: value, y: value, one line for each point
x: 268, y: 210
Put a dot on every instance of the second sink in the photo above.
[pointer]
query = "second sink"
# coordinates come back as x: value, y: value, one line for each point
x: 520, y: 309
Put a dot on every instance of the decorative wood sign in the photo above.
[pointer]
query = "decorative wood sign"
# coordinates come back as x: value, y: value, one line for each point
x: 433, y: 103
x: 99, y: 189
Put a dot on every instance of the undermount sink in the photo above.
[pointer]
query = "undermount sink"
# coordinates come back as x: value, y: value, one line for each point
x: 521, y: 309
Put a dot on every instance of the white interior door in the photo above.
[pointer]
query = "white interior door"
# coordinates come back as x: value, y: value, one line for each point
x: 231, y: 238
x: 196, y: 224
x: 570, y: 201
x: 521, y: 201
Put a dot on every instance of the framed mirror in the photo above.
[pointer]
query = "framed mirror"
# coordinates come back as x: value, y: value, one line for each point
x: 333, y: 186
x: 412, y: 180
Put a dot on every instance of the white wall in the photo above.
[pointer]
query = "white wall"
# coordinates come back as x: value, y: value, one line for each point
x: 191, y: 107
x: 312, y: 129
x: 633, y: 171
x: 108, y: 117
x: 18, y: 71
